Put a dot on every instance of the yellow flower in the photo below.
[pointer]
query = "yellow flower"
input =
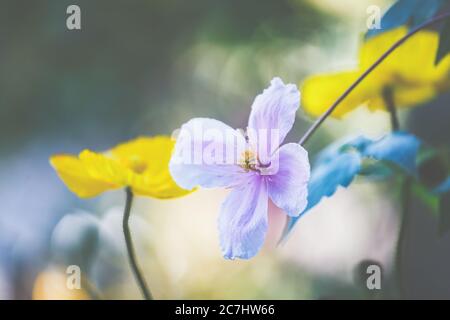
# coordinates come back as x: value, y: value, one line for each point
x: 141, y: 164
x: 409, y: 73
x: 51, y: 284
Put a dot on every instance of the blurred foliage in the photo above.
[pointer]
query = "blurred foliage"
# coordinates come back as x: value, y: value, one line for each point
x: 118, y: 76
x: 144, y: 67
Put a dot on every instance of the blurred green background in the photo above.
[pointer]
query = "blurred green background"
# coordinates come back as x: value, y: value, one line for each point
x: 143, y: 67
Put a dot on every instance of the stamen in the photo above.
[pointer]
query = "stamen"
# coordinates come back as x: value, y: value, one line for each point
x: 248, y: 160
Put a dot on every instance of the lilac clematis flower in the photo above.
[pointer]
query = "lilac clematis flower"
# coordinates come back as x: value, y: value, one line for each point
x: 208, y: 153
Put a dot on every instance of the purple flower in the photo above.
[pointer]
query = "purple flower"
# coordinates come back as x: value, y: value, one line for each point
x: 208, y: 153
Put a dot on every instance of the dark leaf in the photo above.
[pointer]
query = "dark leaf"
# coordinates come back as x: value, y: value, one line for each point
x: 407, y: 12
x: 444, y: 42
x: 432, y: 170
x: 430, y: 199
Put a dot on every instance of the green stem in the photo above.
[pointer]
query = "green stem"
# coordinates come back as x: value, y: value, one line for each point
x: 388, y: 96
x: 130, y: 248
x: 405, y: 218
x: 386, y: 54
x: 405, y: 195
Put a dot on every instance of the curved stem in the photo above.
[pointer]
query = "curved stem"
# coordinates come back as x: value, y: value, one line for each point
x: 406, y: 194
x: 330, y: 110
x: 130, y: 248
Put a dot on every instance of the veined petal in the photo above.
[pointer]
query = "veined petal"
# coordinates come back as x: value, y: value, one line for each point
x: 243, y: 220
x: 402, y: 65
x: 148, y: 158
x: 73, y: 173
x: 161, y: 185
x: 398, y: 72
x: 272, y: 117
x: 145, y: 154
x: 103, y: 168
x: 321, y: 91
x: 207, y: 153
x: 288, y: 187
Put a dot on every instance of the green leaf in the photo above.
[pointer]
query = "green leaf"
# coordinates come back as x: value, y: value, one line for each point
x: 432, y: 169
x: 444, y: 42
x: 399, y: 148
x: 430, y: 199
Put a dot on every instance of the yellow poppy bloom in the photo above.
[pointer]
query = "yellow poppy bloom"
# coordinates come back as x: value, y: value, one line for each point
x: 141, y: 164
x: 409, y: 74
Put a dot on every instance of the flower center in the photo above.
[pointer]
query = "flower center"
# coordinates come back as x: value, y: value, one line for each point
x: 137, y: 164
x: 248, y: 160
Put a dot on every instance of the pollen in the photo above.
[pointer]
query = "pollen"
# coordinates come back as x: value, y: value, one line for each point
x: 248, y: 160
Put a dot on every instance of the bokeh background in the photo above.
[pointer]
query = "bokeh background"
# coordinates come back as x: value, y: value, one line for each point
x: 143, y: 67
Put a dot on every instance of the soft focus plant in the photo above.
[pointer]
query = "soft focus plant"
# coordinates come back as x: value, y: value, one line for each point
x: 401, y: 66
x: 139, y: 166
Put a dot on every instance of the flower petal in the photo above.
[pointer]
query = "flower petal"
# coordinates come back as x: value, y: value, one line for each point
x: 405, y: 96
x: 73, y: 173
x: 401, y: 66
x: 326, y: 178
x: 206, y: 154
x: 151, y: 155
x: 288, y: 187
x: 398, y: 72
x: 104, y: 168
x: 272, y: 117
x: 243, y: 220
x: 321, y: 91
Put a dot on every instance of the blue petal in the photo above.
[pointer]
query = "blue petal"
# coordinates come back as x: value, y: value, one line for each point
x: 327, y: 177
x: 399, y: 148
